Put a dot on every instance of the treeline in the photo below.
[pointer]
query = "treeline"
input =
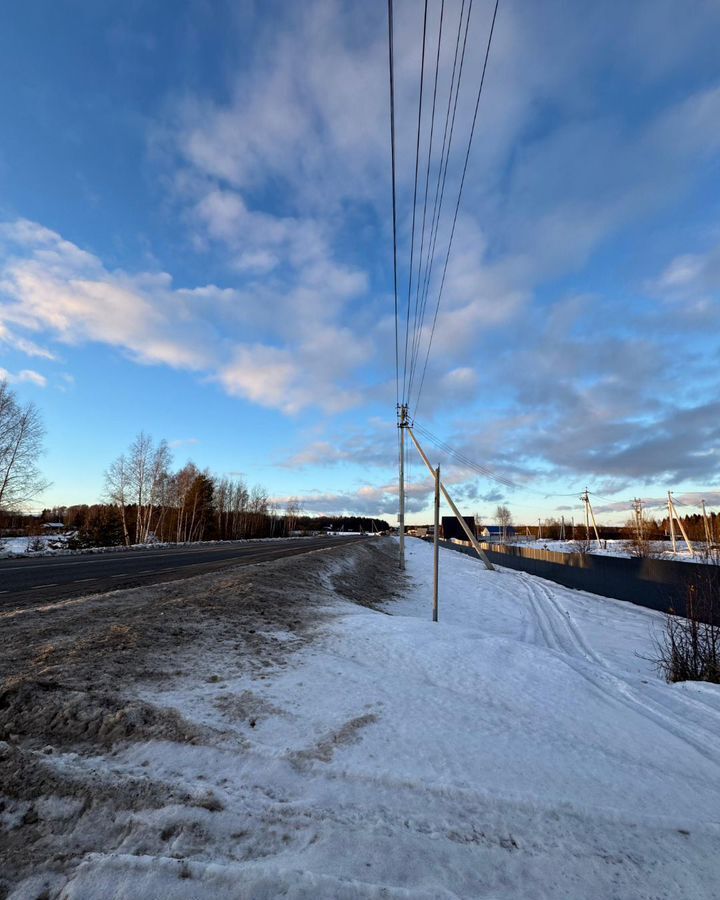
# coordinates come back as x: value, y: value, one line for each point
x: 147, y: 500
x: 100, y: 524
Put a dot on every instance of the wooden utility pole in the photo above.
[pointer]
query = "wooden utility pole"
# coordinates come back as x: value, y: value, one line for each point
x: 639, y: 523
x: 672, y: 524
x: 589, y: 513
x: 463, y: 524
x: 436, y: 544
x: 673, y: 512
x: 401, y: 512
x: 706, y: 523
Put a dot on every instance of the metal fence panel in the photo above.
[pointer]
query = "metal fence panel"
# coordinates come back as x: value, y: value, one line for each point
x: 658, y: 584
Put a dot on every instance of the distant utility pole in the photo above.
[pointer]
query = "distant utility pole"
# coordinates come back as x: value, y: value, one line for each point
x: 562, y: 528
x: 672, y: 523
x: 588, y: 514
x: 539, y: 530
x: 639, y: 523
x: 401, y: 512
x: 672, y: 512
x: 706, y: 523
x: 436, y: 544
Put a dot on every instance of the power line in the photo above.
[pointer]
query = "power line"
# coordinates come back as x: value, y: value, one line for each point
x: 416, y: 331
x: 394, y: 200
x: 417, y: 162
x: 443, y: 167
x: 464, y: 460
x: 457, y: 205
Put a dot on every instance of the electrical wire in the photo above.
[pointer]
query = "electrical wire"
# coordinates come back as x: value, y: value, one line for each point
x: 457, y: 205
x: 464, y: 460
x: 391, y: 67
x: 449, y: 130
x: 416, y: 331
x: 417, y: 165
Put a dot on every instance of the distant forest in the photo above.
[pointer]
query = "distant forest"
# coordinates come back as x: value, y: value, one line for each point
x: 147, y: 501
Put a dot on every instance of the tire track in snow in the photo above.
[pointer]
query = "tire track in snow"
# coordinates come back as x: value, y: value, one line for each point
x: 567, y: 641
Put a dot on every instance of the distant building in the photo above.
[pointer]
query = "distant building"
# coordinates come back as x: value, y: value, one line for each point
x: 495, y: 532
x: 452, y: 529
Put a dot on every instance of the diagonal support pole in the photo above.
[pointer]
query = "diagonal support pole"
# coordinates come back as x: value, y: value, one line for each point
x: 463, y: 524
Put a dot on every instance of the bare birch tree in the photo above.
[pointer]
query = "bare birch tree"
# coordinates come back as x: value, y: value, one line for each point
x: 21, y: 443
x: 504, y: 518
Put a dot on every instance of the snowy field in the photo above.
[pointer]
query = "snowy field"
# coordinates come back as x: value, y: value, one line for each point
x: 658, y: 549
x: 519, y: 748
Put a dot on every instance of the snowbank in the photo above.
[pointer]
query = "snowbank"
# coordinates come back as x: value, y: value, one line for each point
x: 519, y: 748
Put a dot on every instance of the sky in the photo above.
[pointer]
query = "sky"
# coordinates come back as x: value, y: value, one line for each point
x: 196, y: 241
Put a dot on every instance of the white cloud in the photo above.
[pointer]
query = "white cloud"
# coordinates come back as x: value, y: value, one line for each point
x: 50, y: 286
x: 25, y: 376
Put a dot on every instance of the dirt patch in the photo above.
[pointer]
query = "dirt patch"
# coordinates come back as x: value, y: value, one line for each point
x: 324, y: 749
x: 247, y: 707
x: 372, y: 577
x: 75, y: 678
x: 56, y: 715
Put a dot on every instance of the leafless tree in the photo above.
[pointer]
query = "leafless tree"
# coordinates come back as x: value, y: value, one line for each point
x: 292, y: 512
x: 504, y: 519
x: 637, y: 543
x: 21, y: 443
x: 141, y: 478
x: 117, y: 488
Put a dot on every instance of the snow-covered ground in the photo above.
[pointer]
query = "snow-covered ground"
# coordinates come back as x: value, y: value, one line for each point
x: 519, y: 748
x: 658, y: 549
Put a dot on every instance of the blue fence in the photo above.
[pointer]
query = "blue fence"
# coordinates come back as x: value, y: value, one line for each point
x: 654, y: 583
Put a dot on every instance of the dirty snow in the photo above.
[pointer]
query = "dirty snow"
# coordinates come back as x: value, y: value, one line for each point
x: 61, y: 545
x: 342, y: 747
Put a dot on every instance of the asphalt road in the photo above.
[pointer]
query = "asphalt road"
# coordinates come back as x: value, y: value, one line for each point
x: 25, y: 582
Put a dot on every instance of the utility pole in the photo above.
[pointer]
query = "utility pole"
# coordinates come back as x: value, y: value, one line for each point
x: 463, y: 524
x: 639, y: 523
x: 588, y: 513
x: 562, y: 528
x: 401, y: 512
x: 706, y: 523
x: 673, y: 512
x: 436, y: 544
x: 539, y: 530
x: 672, y: 524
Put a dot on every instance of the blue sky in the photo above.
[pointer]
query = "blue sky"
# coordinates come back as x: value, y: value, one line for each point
x: 195, y: 241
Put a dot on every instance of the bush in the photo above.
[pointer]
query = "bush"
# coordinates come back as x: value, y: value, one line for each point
x: 689, y: 647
